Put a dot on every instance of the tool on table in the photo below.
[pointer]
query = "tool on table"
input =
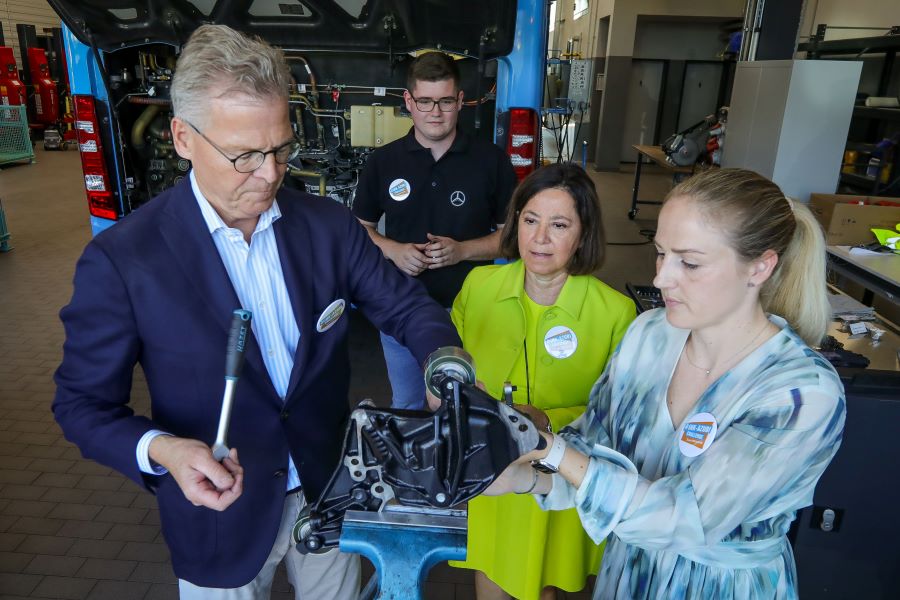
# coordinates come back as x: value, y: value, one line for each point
x: 234, y: 362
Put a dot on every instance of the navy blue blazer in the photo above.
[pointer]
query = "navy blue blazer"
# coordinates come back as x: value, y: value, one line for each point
x: 152, y: 290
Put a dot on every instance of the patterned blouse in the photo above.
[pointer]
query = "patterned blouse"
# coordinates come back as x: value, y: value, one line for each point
x: 701, y: 510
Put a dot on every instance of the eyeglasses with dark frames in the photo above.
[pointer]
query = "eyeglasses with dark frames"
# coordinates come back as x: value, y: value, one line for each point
x: 446, y: 104
x: 254, y: 159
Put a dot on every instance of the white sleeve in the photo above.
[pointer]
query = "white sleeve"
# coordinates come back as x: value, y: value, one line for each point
x: 143, y: 453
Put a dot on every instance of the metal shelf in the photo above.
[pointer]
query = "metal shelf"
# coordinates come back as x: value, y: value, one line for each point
x: 857, y: 180
x: 864, y: 147
x: 870, y: 112
x: 871, y: 119
x: 882, y: 43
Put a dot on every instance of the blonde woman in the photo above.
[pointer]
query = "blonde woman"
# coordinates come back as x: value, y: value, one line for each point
x: 714, y: 419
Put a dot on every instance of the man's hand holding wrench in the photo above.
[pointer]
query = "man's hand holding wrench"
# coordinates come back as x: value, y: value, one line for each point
x: 210, y: 477
x: 203, y: 480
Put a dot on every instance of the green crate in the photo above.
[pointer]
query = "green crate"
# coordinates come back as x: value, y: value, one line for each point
x: 15, y: 141
x: 4, y: 232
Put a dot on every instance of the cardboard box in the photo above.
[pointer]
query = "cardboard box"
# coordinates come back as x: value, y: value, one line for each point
x: 847, y: 222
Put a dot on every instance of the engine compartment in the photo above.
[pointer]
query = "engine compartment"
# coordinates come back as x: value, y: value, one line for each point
x: 343, y: 105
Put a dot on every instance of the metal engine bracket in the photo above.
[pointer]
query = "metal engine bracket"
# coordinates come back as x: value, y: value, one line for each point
x: 417, y: 458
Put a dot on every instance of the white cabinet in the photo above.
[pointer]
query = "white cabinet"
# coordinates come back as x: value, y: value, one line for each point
x: 788, y: 121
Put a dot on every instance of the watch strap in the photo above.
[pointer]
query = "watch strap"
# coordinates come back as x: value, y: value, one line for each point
x: 550, y: 463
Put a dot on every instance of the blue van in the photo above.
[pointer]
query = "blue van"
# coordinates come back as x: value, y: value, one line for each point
x: 348, y: 59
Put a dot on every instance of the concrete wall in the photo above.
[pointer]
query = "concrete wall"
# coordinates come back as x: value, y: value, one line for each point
x: 30, y: 12
x: 625, y: 17
x: 687, y: 39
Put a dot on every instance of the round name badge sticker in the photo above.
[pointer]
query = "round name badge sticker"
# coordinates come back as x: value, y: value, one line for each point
x: 561, y: 342
x: 399, y: 190
x: 697, y: 434
x: 330, y: 315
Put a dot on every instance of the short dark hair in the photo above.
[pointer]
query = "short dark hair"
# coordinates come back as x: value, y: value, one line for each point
x: 432, y: 66
x: 591, y: 249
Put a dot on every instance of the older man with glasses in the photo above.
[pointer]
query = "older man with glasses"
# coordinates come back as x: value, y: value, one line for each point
x: 159, y: 289
x: 443, y: 195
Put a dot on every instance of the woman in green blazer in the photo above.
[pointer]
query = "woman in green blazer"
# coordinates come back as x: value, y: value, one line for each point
x: 547, y: 326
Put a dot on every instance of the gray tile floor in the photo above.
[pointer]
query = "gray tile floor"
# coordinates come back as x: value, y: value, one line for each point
x: 70, y: 528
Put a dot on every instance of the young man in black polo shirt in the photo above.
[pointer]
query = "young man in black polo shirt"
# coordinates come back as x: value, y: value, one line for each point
x: 444, y: 197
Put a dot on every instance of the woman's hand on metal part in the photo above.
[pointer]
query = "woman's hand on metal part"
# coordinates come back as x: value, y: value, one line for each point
x: 520, y: 477
x: 537, y: 416
x: 517, y: 477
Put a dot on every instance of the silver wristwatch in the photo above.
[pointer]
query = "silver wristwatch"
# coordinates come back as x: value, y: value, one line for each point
x: 550, y: 463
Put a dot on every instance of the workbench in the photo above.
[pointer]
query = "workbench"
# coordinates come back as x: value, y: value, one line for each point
x: 879, y: 274
x: 656, y: 155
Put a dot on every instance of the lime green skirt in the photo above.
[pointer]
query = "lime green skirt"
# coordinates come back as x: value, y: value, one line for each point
x: 522, y: 548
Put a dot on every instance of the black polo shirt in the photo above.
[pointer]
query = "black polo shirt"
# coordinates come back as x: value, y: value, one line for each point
x: 462, y: 196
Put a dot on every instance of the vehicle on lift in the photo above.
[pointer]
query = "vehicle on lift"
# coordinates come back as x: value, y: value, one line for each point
x: 348, y: 58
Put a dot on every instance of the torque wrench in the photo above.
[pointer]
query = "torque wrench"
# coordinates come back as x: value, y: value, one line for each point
x: 234, y: 362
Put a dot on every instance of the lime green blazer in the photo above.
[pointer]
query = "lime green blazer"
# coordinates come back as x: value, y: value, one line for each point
x: 490, y: 319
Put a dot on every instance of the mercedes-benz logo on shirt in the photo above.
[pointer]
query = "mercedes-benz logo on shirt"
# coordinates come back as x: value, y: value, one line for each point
x: 457, y: 198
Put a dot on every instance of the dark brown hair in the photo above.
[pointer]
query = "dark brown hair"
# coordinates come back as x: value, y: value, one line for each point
x: 432, y: 66
x: 571, y: 178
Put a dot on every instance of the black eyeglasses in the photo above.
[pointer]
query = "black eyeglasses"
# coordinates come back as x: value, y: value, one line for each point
x: 447, y: 104
x: 254, y: 159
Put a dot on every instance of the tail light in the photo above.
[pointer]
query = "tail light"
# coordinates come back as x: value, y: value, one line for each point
x: 522, y: 143
x: 101, y: 200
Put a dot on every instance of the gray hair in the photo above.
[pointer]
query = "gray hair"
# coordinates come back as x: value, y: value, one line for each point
x: 218, y: 61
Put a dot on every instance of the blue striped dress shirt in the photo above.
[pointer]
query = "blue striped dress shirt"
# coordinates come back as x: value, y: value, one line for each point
x: 255, y: 272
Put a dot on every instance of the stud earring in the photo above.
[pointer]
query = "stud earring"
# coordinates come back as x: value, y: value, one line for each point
x: 750, y: 284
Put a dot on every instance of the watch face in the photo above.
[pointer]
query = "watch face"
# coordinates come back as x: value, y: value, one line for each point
x: 543, y: 468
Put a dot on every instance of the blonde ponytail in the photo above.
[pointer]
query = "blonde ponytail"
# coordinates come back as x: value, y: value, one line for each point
x: 797, y: 290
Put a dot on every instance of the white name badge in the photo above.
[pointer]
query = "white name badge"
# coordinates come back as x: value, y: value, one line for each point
x: 330, y: 315
x: 697, y: 434
x: 399, y: 190
x: 561, y: 342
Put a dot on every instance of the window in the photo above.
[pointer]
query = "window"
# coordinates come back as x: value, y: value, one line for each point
x: 580, y: 9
